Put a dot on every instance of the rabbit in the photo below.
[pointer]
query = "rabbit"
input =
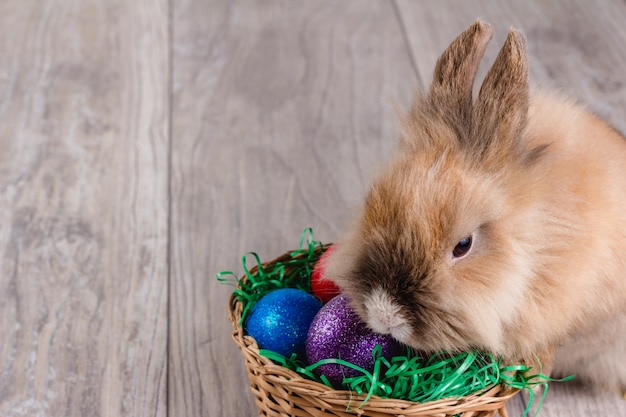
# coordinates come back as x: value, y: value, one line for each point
x: 499, y: 224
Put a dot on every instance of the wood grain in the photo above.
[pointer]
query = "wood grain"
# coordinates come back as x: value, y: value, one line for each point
x: 83, y: 191
x: 281, y: 112
x: 146, y: 145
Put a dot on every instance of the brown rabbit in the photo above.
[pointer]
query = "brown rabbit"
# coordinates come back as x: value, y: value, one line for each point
x: 500, y: 224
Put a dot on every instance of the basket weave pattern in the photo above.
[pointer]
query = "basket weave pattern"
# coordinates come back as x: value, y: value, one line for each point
x: 281, y: 392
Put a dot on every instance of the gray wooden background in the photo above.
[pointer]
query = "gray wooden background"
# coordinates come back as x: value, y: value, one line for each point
x: 145, y: 145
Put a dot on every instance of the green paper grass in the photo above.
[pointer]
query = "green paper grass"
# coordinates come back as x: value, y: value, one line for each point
x: 263, y: 281
x: 410, y: 377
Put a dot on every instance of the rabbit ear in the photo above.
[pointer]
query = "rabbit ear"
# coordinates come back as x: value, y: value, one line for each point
x: 453, y: 78
x: 500, y: 112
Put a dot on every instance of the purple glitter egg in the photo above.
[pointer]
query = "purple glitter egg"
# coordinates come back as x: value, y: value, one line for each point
x: 337, y: 332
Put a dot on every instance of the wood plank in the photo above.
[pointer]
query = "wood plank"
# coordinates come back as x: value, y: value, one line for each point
x: 575, y: 46
x: 280, y: 115
x: 83, y: 208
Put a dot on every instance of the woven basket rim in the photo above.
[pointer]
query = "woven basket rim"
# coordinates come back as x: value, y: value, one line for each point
x: 493, y: 399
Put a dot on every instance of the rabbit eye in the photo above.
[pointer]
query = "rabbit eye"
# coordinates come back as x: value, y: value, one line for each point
x: 463, y: 247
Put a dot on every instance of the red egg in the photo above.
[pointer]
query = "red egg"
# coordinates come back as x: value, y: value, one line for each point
x: 322, y: 287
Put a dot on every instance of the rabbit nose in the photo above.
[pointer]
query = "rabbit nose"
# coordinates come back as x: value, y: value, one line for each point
x: 384, y: 315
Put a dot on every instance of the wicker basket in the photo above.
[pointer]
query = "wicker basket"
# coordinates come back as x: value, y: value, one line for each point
x: 281, y: 392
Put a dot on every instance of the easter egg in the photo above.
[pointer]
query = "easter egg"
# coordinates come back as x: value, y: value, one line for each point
x: 280, y: 320
x: 322, y: 287
x: 337, y: 332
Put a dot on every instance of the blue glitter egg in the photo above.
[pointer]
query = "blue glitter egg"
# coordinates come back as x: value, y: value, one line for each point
x: 280, y: 320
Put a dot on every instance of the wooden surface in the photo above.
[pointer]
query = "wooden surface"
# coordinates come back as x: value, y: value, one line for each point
x: 146, y: 145
x: 84, y: 140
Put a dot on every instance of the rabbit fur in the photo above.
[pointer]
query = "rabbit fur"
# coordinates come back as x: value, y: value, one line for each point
x: 535, y: 185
